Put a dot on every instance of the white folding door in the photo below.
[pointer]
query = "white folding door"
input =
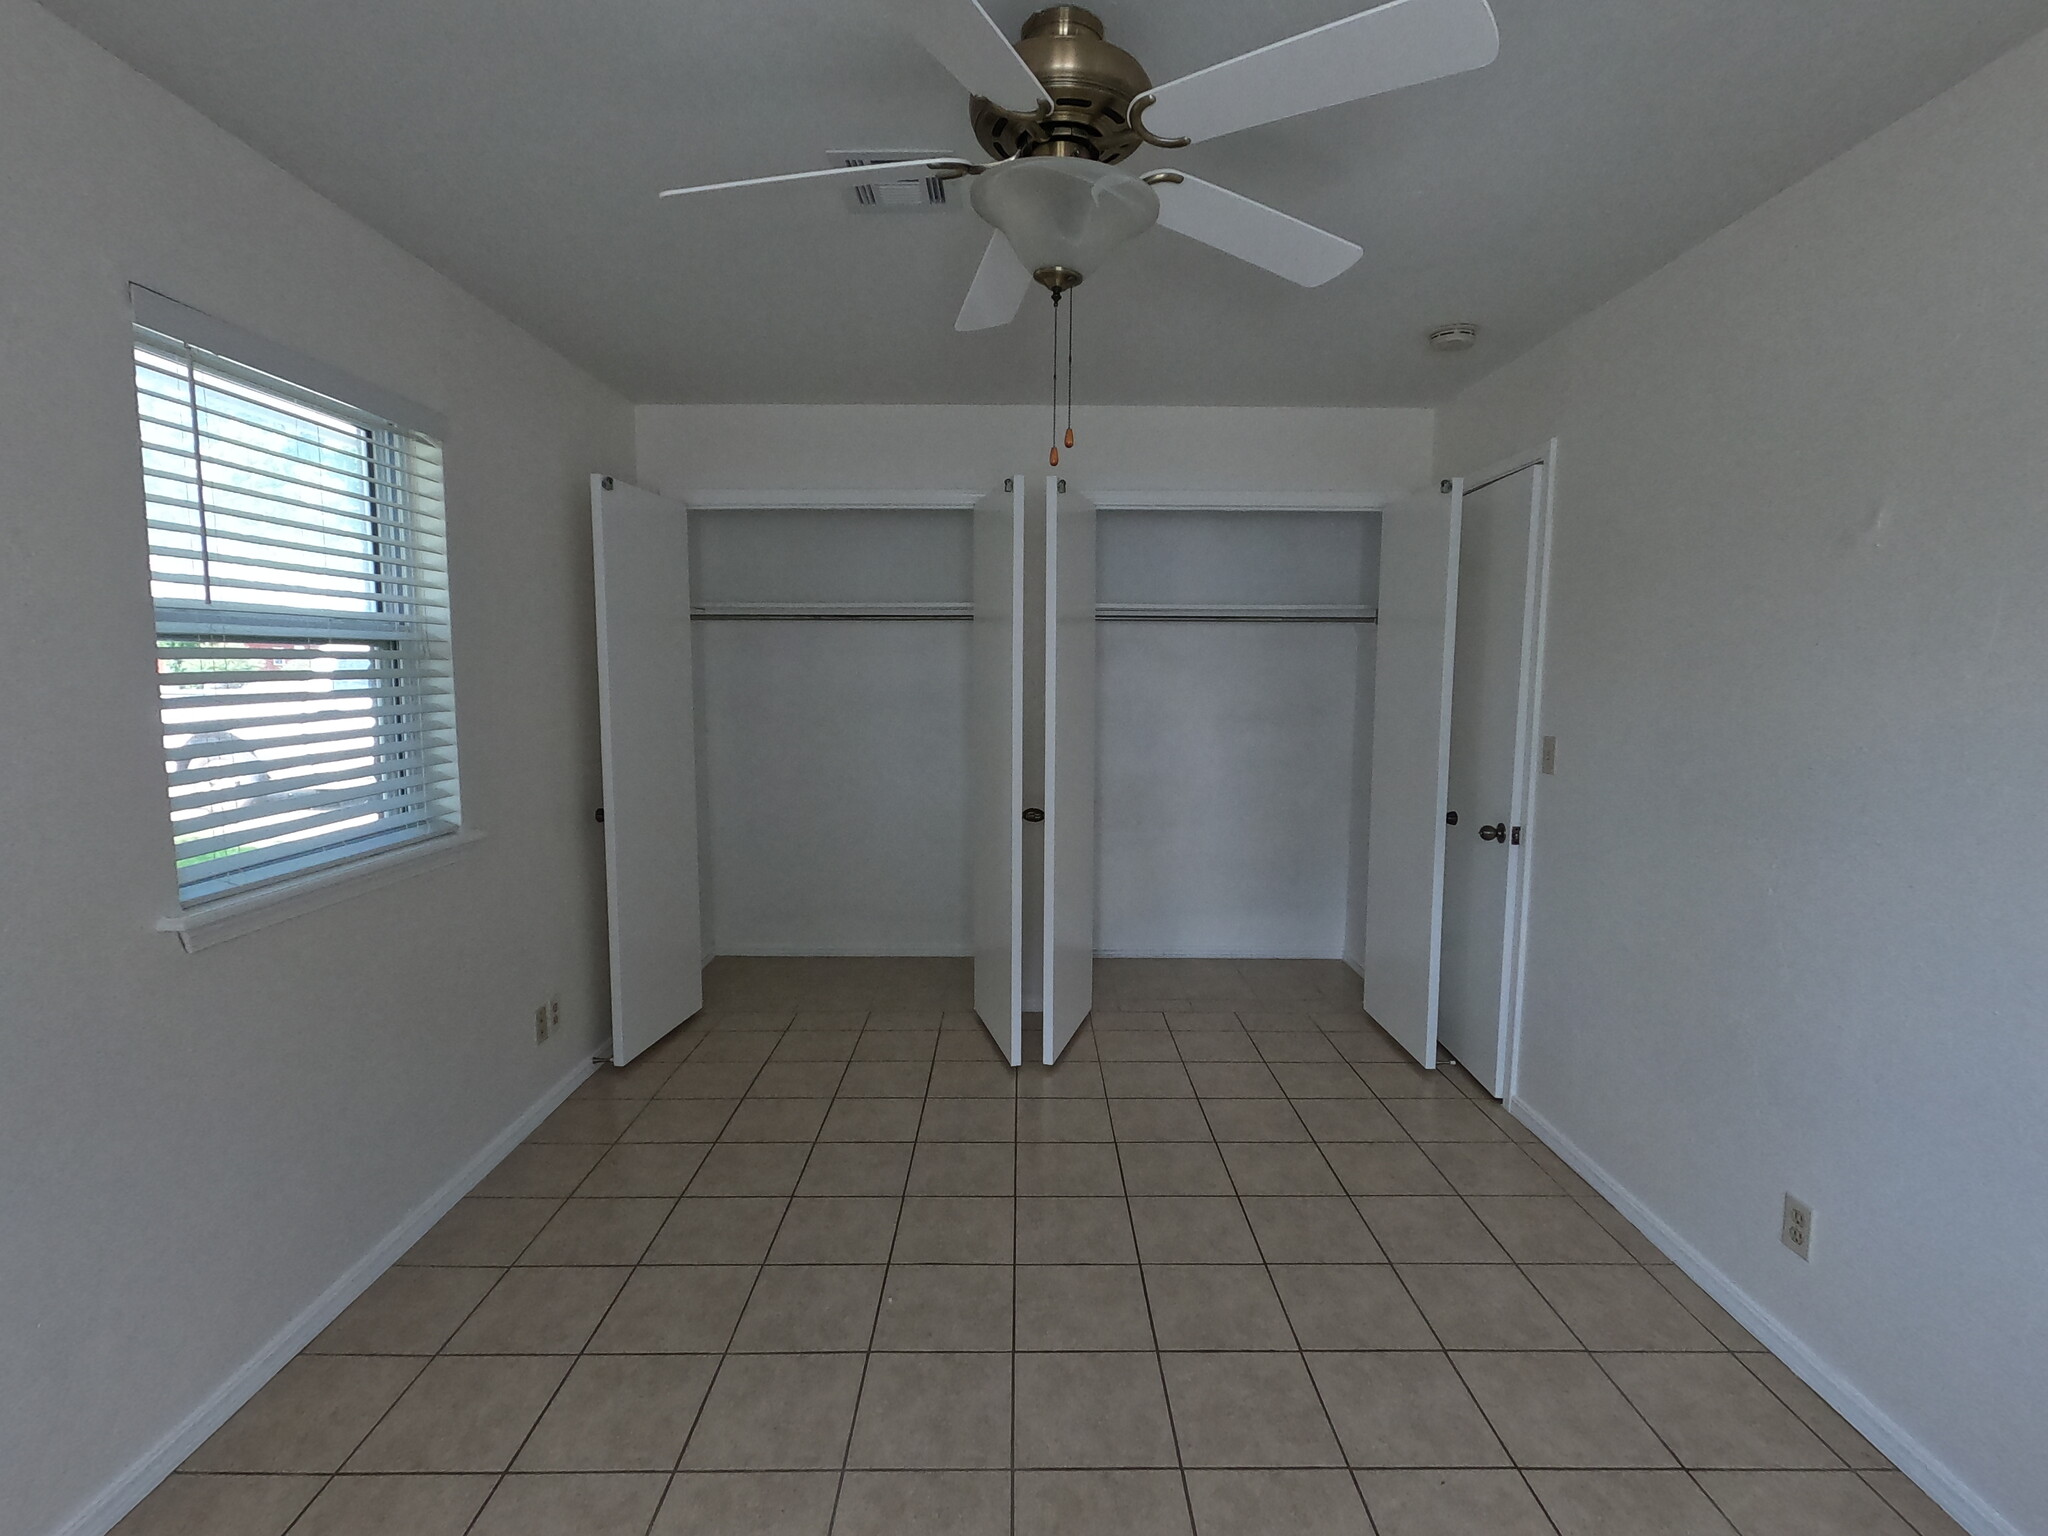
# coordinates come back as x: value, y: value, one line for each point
x: 996, y: 767
x: 1070, y: 689
x: 647, y: 731
x: 1411, y: 733
x: 1033, y: 683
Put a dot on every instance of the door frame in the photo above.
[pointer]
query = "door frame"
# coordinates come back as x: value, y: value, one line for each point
x: 1523, y: 811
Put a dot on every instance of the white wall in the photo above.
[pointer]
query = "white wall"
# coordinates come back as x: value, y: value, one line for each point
x: 196, y: 1146
x: 1182, y: 452
x: 835, y: 784
x: 1789, y: 902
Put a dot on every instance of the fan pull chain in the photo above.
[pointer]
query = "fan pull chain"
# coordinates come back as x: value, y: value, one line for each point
x: 1070, y: 375
x: 1055, y: 459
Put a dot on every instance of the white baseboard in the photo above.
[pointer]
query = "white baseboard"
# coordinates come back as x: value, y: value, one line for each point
x: 100, y: 1513
x: 1878, y: 1427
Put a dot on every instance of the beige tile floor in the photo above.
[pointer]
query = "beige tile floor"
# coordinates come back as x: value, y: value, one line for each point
x: 821, y: 1263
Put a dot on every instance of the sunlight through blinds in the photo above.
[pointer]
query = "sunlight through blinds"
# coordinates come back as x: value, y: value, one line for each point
x: 298, y: 569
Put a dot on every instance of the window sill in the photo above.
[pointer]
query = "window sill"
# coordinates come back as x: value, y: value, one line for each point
x: 230, y: 917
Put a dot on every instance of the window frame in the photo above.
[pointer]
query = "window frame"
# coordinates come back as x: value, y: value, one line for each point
x: 412, y: 751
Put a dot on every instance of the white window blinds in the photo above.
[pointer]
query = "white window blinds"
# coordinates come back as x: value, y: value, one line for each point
x: 297, y: 564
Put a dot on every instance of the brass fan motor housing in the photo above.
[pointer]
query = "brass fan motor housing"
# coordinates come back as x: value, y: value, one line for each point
x: 1090, y: 83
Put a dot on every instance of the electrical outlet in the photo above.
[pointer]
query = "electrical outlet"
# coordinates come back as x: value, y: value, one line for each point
x: 1550, y: 754
x: 1796, y: 1232
x: 555, y: 1013
x: 540, y: 1025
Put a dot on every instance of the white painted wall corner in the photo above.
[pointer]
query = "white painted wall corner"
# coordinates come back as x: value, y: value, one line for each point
x: 105, y: 1509
x: 1879, y: 1428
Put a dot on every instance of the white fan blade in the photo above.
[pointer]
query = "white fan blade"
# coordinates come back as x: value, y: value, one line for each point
x: 998, y: 289
x: 1251, y: 231
x: 1403, y: 42
x: 879, y: 171
x: 961, y: 36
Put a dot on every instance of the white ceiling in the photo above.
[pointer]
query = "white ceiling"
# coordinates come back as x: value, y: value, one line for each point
x: 517, y: 146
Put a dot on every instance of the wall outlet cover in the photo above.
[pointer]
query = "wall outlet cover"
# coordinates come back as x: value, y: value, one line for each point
x: 1796, y: 1230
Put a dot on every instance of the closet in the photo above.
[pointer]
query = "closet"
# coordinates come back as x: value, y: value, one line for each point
x: 1035, y: 730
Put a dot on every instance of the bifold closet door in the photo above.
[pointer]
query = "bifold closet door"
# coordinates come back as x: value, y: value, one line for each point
x: 1070, y: 688
x: 996, y: 768
x: 647, y: 731
x: 1411, y: 737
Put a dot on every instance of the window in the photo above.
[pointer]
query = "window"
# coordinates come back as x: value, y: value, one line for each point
x: 296, y: 561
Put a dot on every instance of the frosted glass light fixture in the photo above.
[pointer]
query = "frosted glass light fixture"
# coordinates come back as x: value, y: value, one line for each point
x: 1063, y: 216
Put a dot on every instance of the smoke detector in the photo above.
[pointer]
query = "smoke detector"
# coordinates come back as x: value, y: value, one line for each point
x: 1461, y: 337
x: 886, y: 193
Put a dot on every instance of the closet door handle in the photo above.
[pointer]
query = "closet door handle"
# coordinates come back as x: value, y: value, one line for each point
x: 1451, y: 819
x: 1497, y: 833
x: 1033, y: 814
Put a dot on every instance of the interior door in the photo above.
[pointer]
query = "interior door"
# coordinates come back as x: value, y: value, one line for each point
x: 996, y: 767
x: 647, y: 733
x: 1411, y: 737
x: 1489, y: 746
x: 1070, y: 674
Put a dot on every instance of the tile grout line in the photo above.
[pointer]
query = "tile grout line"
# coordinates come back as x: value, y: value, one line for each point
x: 1187, y: 1491
x: 560, y: 1202
x: 1466, y: 1201
x: 1514, y: 1463
x: 895, y: 1231
x: 697, y: 1414
x: 617, y: 1142
x: 754, y: 1077
x: 1329, y: 1420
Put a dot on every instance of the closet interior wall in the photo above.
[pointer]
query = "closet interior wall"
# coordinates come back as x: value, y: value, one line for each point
x: 1227, y: 783
x: 832, y: 749
x: 832, y: 752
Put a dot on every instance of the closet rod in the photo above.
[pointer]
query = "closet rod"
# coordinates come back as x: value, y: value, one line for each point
x: 956, y: 612
x: 1236, y: 618
x: 893, y: 612
x: 1236, y: 613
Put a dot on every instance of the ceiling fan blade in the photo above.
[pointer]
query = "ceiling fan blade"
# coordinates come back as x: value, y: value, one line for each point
x: 1403, y: 42
x: 877, y: 171
x: 1251, y: 231
x: 998, y: 289
x: 961, y: 36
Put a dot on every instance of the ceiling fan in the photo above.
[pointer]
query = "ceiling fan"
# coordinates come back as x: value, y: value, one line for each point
x: 1063, y: 107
